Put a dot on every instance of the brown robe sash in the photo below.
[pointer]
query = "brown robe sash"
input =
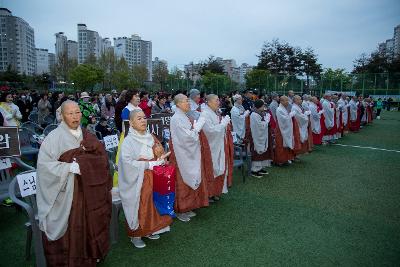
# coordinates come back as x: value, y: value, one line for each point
x: 87, y: 236
x: 150, y: 221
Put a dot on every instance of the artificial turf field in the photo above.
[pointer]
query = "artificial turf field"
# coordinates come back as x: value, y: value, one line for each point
x: 339, y: 206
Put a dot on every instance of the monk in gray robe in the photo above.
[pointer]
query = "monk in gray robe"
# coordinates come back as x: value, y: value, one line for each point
x: 73, y: 193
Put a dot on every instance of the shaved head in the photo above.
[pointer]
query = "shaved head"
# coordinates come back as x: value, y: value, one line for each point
x: 182, y: 102
x: 179, y: 98
x: 210, y: 97
x: 284, y: 100
x: 213, y: 102
x: 67, y: 104
x: 71, y: 114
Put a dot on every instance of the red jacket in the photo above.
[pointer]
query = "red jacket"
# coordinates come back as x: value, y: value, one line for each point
x: 146, y: 109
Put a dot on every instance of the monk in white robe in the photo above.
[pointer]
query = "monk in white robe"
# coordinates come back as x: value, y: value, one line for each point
x: 301, y: 119
x: 329, y: 116
x: 140, y: 153
x: 220, y: 140
x: 195, y: 107
x: 274, y: 104
x: 73, y: 180
x: 354, y: 112
x: 238, y: 116
x: 192, y: 164
x: 284, y: 140
x: 259, y: 120
x: 315, y: 117
x: 342, y: 105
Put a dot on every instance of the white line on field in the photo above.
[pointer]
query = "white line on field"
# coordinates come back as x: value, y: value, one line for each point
x: 369, y: 147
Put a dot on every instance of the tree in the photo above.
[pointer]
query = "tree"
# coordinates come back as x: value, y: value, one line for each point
x: 177, y: 73
x: 91, y: 59
x: 85, y: 76
x: 212, y: 65
x: 256, y: 78
x: 140, y: 74
x: 335, y: 79
x: 122, y: 77
x: 361, y: 64
x: 218, y: 83
x: 160, y: 75
x: 309, y: 65
x: 107, y: 63
x: 10, y: 75
x: 279, y: 58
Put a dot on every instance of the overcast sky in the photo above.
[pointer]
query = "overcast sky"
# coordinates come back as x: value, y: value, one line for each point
x: 184, y: 31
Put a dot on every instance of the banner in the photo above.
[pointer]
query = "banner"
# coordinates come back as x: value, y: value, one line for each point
x: 9, y: 142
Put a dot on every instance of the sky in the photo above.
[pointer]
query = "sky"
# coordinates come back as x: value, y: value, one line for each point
x: 184, y: 31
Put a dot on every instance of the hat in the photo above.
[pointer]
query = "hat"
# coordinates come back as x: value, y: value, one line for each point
x: 85, y: 95
x: 193, y: 93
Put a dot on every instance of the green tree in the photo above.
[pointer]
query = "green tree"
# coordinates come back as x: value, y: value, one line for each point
x: 10, y: 75
x: 309, y: 65
x: 160, y: 75
x: 335, y: 79
x: 140, y: 74
x: 107, y: 63
x: 279, y: 58
x: 122, y: 77
x: 257, y: 78
x: 85, y: 76
x: 217, y: 83
x: 211, y: 65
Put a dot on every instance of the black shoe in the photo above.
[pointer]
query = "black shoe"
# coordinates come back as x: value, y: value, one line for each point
x: 256, y: 174
x: 263, y: 172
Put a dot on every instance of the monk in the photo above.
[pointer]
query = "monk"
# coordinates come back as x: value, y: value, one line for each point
x: 354, y: 113
x: 284, y: 141
x: 274, y: 104
x: 342, y: 105
x: 140, y: 153
x: 329, y: 119
x: 259, y: 144
x: 220, y: 140
x: 239, y: 115
x: 301, y: 122
x: 73, y: 193
x: 192, y: 164
x: 316, y: 121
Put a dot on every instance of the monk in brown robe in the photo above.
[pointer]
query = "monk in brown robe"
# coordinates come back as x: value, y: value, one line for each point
x: 73, y: 194
x: 140, y: 153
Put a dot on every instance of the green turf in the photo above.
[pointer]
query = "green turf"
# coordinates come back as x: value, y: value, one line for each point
x: 338, y: 206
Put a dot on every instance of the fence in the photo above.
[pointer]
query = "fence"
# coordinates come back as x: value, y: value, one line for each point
x: 366, y: 84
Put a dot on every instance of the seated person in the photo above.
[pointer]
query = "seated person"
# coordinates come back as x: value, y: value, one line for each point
x: 103, y: 128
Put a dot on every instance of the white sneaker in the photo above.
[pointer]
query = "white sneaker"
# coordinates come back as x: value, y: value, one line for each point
x: 182, y: 217
x: 190, y: 214
x: 153, y: 237
x: 289, y: 161
x: 138, y: 242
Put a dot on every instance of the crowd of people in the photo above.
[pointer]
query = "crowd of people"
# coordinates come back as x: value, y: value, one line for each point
x: 74, y: 181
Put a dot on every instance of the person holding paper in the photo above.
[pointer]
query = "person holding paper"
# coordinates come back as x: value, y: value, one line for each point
x: 219, y: 138
x: 301, y: 123
x: 284, y: 141
x: 189, y: 159
x: 259, y: 120
x: 140, y: 152
x: 239, y: 115
x: 316, y: 121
